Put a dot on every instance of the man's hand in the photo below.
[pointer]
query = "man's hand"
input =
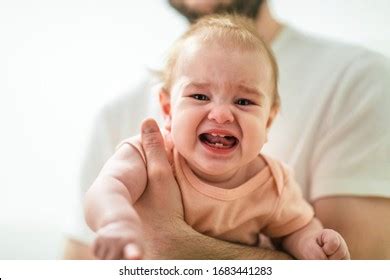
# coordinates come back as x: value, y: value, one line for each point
x: 162, y: 191
x: 160, y: 206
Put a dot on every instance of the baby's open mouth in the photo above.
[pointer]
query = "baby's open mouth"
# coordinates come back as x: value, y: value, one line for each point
x: 218, y: 141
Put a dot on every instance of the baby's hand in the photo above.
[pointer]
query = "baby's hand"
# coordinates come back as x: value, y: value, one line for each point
x: 327, y: 244
x: 333, y: 245
x: 119, y: 240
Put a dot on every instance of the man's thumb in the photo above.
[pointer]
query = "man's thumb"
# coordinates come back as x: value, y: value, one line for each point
x: 153, y: 144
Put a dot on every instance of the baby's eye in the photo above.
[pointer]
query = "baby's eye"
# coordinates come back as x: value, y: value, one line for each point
x: 200, y: 97
x: 244, y: 102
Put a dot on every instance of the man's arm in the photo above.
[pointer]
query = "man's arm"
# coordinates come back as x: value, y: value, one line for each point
x: 168, y: 235
x: 192, y: 245
x: 350, y: 183
x: 186, y: 243
x: 364, y: 222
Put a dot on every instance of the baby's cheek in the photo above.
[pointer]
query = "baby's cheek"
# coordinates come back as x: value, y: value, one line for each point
x: 176, y: 132
x: 255, y: 139
x: 180, y: 133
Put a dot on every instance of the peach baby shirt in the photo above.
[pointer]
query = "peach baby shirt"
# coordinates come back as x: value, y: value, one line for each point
x: 270, y: 203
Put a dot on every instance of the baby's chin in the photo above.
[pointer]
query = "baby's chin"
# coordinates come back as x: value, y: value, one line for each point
x: 223, y: 168
x: 211, y: 170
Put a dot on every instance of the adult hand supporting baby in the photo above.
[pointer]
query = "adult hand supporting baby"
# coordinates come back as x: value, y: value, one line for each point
x: 160, y: 206
x: 162, y: 186
x: 167, y: 235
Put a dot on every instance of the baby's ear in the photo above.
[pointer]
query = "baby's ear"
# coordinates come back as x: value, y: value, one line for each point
x: 272, y: 114
x: 165, y: 104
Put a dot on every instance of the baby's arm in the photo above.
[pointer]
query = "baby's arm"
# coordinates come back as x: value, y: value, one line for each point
x: 313, y: 242
x: 108, y: 205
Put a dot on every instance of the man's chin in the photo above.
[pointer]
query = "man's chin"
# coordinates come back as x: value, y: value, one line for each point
x: 248, y: 8
x: 201, y: 7
x: 192, y: 13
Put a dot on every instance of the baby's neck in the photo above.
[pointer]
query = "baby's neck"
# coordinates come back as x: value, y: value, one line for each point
x: 234, y: 178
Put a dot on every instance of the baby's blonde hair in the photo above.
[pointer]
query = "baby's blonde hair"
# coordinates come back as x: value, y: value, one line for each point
x: 231, y: 31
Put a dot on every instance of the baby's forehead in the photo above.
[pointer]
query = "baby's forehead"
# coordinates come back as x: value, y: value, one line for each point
x: 195, y: 46
x: 224, y: 40
x: 229, y: 37
x: 196, y: 51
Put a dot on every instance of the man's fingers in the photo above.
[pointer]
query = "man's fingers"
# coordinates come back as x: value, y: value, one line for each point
x: 153, y: 144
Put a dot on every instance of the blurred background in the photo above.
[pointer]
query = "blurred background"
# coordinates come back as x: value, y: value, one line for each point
x: 61, y: 60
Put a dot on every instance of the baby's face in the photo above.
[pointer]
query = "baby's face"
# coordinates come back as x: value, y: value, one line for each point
x: 220, y: 107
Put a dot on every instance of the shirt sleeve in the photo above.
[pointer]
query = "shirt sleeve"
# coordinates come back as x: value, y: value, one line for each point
x: 352, y: 154
x: 292, y: 211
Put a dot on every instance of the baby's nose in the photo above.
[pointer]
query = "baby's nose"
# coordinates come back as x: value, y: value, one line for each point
x: 221, y: 114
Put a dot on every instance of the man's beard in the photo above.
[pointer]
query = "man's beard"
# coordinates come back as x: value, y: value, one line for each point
x: 248, y: 8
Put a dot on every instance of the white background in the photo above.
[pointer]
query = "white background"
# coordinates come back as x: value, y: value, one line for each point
x: 60, y: 60
x: 196, y: 270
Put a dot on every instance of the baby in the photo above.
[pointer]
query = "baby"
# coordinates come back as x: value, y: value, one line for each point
x: 219, y: 99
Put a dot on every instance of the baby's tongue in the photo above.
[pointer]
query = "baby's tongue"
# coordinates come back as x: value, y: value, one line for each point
x: 226, y: 141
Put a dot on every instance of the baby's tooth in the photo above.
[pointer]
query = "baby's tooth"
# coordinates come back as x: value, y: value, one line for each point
x: 219, y: 144
x: 219, y: 135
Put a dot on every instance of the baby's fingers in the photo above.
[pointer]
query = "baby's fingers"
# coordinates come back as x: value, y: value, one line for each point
x: 342, y: 252
x: 333, y: 245
x: 329, y: 241
x: 114, y: 252
x: 315, y: 253
x: 99, y: 250
x: 132, y: 252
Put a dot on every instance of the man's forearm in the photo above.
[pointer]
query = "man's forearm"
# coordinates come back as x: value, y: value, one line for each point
x: 186, y: 243
x: 205, y: 247
x: 362, y: 221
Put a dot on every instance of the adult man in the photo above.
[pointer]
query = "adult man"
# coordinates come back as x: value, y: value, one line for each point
x: 332, y: 130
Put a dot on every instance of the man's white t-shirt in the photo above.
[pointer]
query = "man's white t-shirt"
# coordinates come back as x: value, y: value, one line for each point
x: 333, y: 128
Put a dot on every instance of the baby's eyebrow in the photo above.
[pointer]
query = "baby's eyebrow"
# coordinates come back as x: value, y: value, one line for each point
x: 251, y: 90
x: 205, y: 86
x: 198, y: 85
